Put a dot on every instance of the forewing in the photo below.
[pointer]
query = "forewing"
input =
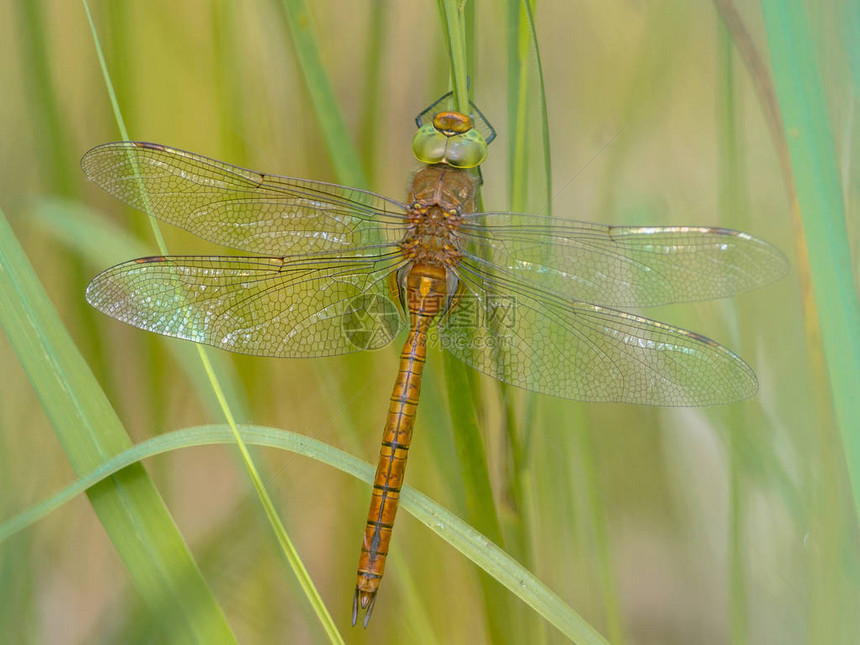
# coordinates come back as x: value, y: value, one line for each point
x: 243, y: 209
x: 255, y: 305
x: 620, y: 266
x: 539, y: 342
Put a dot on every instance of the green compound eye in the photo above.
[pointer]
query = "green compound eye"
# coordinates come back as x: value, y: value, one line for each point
x: 428, y: 145
x: 466, y: 150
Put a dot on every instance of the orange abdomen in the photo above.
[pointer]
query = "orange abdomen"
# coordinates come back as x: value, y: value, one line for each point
x: 426, y: 290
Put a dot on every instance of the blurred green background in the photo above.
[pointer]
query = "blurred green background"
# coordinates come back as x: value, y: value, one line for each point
x: 730, y: 524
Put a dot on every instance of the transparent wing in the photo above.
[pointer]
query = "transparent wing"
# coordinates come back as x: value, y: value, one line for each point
x: 255, y: 305
x: 239, y: 208
x: 540, y: 342
x: 620, y: 266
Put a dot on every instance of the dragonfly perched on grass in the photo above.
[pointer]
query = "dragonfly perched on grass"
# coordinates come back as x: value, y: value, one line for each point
x: 532, y: 301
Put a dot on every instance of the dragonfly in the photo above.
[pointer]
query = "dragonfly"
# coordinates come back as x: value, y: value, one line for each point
x: 537, y: 302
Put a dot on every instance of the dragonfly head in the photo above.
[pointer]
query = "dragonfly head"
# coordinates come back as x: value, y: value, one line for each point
x: 451, y: 138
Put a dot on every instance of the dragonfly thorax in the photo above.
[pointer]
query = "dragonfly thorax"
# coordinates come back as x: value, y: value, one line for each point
x: 440, y: 195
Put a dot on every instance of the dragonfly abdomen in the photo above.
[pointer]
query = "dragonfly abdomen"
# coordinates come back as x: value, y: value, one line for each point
x: 425, y: 297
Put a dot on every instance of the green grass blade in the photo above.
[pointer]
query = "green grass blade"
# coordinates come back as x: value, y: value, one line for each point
x: 732, y: 200
x: 128, y: 505
x: 447, y: 525
x: 615, y: 627
x: 341, y: 150
x: 470, y: 448
x: 826, y: 569
x: 524, y: 51
x: 480, y: 505
x: 371, y: 124
x: 544, y: 115
x: 461, y: 385
x: 819, y: 191
x: 763, y: 84
x: 454, y: 29
x: 518, y: 75
x: 53, y: 136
